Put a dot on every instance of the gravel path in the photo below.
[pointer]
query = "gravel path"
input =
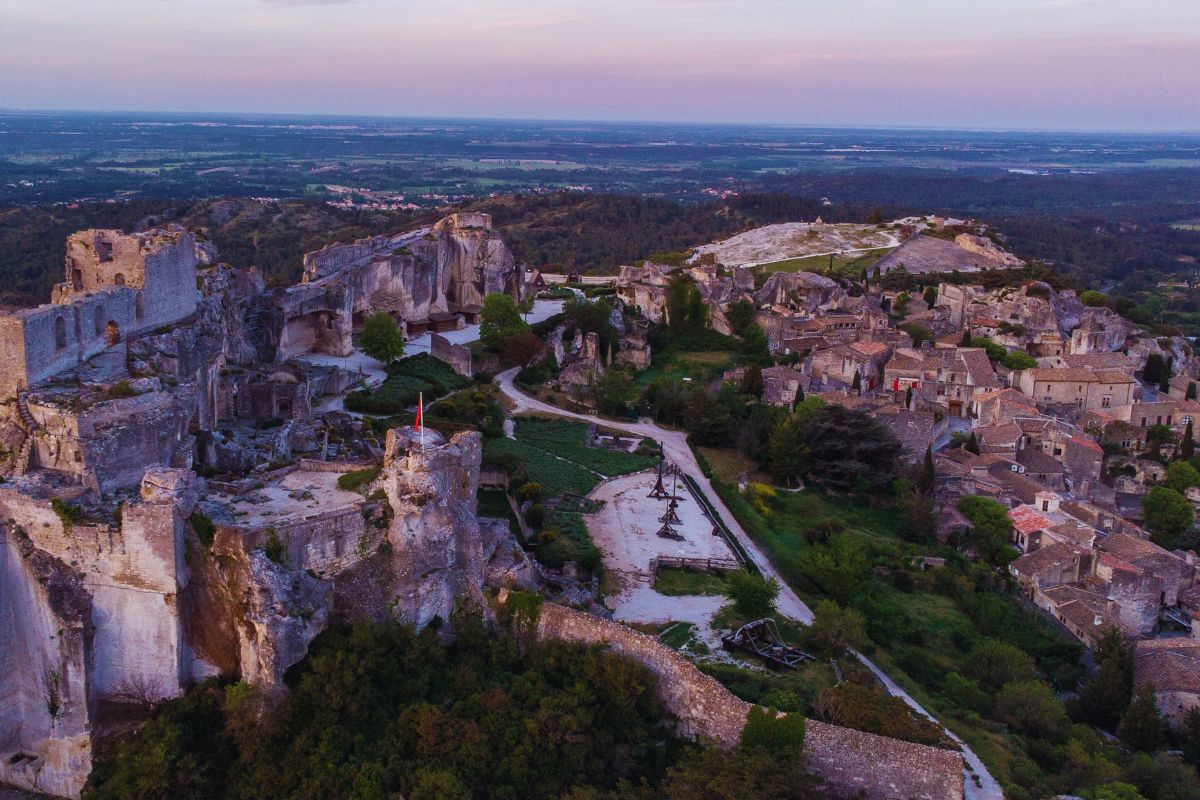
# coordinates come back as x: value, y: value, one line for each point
x: 676, y: 449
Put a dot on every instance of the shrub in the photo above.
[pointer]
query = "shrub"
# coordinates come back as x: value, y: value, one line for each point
x: 753, y: 596
x: 274, y: 549
x: 358, y: 479
x: 203, y: 526
x: 68, y: 513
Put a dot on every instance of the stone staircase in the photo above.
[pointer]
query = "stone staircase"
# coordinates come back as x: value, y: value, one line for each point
x: 29, y: 425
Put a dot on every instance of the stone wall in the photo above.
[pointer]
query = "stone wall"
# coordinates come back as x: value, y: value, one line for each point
x: 116, y: 286
x: 160, y: 264
x: 111, y: 444
x: 848, y: 761
x: 134, y: 572
x: 456, y: 355
x: 325, y: 543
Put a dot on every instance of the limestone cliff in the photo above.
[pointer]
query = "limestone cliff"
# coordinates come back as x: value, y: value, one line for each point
x: 437, y: 270
x: 437, y: 547
x: 45, y: 657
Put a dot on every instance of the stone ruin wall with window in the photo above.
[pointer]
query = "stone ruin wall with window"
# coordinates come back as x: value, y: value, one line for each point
x: 116, y: 286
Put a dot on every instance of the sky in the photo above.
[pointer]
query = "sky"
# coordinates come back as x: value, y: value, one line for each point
x: 1006, y: 64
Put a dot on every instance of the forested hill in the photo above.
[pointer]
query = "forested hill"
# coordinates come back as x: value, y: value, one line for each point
x: 600, y: 232
x: 1122, y: 242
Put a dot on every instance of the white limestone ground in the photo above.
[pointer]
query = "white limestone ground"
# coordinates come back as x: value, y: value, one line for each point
x: 297, y: 495
x: 625, y: 530
x: 787, y: 240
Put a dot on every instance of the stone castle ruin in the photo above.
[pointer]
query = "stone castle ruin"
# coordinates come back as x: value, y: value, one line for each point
x: 170, y: 506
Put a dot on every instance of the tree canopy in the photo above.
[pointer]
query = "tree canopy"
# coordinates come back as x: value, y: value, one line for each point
x: 500, y: 319
x: 381, y: 338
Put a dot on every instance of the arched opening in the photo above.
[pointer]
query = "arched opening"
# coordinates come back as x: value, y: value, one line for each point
x: 119, y: 279
x: 114, y: 332
x: 139, y: 309
x: 60, y: 333
x: 99, y: 320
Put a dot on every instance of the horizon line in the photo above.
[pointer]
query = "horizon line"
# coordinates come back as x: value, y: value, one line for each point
x: 613, y: 121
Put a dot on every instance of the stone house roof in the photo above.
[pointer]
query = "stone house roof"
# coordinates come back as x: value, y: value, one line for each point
x: 1005, y: 435
x: 1035, y: 460
x: 1172, y: 665
x: 1034, y: 563
x: 1099, y: 361
x: 1027, y: 520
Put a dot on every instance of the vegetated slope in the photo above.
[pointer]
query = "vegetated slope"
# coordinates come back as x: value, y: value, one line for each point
x: 33, y: 240
x: 375, y: 711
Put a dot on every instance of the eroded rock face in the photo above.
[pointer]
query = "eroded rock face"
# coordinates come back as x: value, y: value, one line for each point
x: 284, y: 612
x: 438, y: 270
x: 45, y: 692
x: 437, y: 549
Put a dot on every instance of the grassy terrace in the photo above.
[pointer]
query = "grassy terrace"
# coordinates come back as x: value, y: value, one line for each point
x: 695, y: 364
x: 554, y: 454
x: 849, y: 265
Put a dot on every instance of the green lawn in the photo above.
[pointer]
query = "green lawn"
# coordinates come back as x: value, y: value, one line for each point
x: 684, y: 582
x: 553, y: 474
x: 569, y: 440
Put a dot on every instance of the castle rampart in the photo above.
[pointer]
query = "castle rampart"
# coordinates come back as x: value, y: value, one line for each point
x: 848, y: 761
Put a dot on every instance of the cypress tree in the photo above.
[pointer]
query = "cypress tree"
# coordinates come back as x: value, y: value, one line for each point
x: 1187, y: 449
x: 1191, y: 391
x: 972, y: 443
x: 966, y: 338
x: 926, y: 484
x: 908, y: 398
x: 856, y: 386
x: 1152, y: 373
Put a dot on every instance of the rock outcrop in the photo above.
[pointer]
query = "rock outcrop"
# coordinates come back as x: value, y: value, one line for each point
x: 437, y: 556
x: 417, y: 277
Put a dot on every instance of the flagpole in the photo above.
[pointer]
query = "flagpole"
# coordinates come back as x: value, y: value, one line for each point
x: 420, y: 419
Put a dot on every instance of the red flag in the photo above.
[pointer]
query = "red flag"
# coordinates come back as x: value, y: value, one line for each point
x: 420, y: 403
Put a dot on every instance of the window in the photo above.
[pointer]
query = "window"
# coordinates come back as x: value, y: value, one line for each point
x: 119, y: 279
x: 99, y: 321
x: 1105, y: 402
x: 60, y: 333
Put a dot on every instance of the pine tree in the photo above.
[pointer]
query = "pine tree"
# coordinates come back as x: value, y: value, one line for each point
x: 926, y: 484
x: 972, y: 443
x: 1141, y: 725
